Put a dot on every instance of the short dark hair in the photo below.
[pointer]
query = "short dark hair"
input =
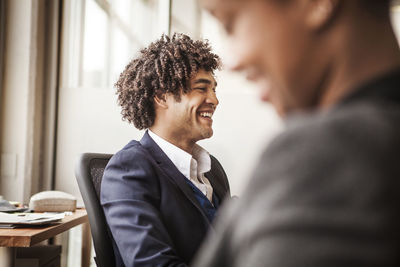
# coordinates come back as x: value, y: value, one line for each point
x: 379, y: 8
x: 165, y: 66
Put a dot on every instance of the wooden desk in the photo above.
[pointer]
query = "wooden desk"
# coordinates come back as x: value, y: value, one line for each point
x: 26, y: 237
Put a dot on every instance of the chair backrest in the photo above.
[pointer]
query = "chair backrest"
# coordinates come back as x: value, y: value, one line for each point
x: 89, y: 172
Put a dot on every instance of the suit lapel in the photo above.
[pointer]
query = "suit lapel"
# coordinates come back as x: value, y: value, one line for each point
x: 218, y: 190
x: 170, y: 169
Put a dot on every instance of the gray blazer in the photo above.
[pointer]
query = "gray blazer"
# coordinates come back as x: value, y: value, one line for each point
x: 326, y: 192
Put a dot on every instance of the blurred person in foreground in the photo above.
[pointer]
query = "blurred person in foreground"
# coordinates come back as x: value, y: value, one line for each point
x: 160, y: 194
x: 326, y: 191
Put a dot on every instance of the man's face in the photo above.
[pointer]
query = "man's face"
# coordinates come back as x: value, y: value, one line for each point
x: 272, y: 44
x: 191, y: 118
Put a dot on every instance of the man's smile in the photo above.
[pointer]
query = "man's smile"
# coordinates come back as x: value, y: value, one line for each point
x: 206, y: 114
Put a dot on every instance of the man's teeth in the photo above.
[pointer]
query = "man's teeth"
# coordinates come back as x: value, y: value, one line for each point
x: 206, y: 114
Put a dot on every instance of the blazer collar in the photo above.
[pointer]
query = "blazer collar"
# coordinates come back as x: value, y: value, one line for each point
x: 170, y: 169
x: 384, y: 87
x: 217, y: 189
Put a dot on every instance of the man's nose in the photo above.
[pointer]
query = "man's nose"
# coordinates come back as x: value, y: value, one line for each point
x: 234, y: 63
x: 238, y: 57
x: 212, y: 98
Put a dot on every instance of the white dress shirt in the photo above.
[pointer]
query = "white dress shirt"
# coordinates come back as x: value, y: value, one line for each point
x: 192, y: 167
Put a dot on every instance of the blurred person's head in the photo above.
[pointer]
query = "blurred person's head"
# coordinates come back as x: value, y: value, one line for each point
x: 307, y: 53
x: 170, y: 88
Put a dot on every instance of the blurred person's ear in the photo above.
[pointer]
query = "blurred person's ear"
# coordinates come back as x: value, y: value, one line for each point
x: 160, y: 101
x: 320, y: 12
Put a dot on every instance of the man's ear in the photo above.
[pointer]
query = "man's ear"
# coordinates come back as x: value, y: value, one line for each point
x: 160, y: 101
x: 321, y: 12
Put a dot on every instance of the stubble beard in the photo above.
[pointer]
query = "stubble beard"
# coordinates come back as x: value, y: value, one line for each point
x: 207, y: 133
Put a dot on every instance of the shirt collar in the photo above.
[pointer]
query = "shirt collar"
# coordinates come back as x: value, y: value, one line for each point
x: 181, y: 159
x: 203, y: 159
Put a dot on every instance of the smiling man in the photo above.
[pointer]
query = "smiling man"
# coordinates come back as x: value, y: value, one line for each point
x: 326, y: 191
x: 160, y: 194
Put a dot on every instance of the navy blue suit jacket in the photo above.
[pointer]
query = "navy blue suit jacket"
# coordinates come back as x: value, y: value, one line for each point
x: 153, y: 214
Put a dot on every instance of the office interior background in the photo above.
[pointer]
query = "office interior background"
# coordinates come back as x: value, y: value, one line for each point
x: 59, y: 60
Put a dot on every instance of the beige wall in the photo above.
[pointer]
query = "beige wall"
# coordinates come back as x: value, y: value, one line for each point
x: 14, y: 101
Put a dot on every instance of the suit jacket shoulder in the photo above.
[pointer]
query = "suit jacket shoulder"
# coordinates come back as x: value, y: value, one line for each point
x: 136, y: 163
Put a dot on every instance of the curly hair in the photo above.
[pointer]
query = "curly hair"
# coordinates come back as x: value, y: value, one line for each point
x: 165, y: 66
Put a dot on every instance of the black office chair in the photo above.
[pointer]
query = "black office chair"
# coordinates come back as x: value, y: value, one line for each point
x: 89, y: 172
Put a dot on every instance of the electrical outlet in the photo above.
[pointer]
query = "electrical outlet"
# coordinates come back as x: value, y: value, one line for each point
x: 8, y: 165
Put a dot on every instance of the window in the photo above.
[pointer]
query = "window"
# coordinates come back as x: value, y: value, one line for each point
x: 103, y: 35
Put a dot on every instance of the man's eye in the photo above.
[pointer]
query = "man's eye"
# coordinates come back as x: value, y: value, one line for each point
x: 201, y: 88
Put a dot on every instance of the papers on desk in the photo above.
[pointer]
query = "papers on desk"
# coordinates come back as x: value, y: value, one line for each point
x: 8, y: 220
